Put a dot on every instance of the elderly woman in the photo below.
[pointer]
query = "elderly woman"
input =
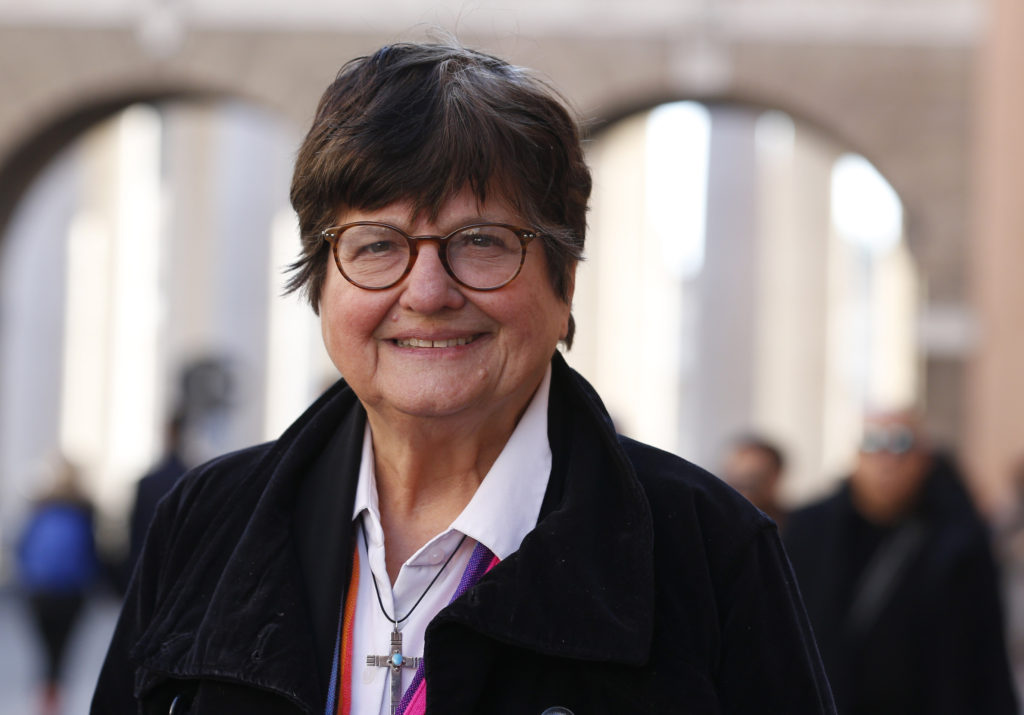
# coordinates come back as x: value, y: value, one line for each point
x: 454, y: 527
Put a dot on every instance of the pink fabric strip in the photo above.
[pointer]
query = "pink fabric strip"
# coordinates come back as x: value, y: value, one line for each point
x: 417, y: 703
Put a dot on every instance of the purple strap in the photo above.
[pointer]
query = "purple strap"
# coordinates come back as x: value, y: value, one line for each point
x: 480, y: 562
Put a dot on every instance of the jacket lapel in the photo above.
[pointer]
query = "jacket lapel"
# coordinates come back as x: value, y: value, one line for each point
x: 581, y: 585
x: 322, y: 527
x: 256, y: 626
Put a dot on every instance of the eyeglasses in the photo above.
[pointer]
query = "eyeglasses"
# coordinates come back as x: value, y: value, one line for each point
x: 894, y: 440
x: 481, y: 256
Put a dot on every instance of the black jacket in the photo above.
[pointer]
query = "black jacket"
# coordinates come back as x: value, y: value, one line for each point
x: 932, y: 642
x: 647, y: 587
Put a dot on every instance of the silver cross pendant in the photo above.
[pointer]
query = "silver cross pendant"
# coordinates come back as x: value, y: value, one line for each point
x: 395, y: 661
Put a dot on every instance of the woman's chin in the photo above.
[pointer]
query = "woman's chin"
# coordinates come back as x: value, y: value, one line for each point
x: 436, y: 404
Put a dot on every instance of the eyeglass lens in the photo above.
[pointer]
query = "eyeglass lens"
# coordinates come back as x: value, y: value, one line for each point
x: 898, y: 440
x: 482, y: 257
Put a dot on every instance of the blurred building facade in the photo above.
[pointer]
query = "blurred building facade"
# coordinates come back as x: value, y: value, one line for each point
x: 920, y: 89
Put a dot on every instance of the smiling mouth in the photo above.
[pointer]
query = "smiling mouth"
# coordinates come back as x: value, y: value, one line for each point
x: 418, y: 343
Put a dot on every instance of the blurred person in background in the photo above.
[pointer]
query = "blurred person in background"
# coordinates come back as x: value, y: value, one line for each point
x: 155, y: 484
x: 898, y: 577
x: 754, y: 466
x: 1009, y: 529
x: 454, y: 527
x: 57, y: 565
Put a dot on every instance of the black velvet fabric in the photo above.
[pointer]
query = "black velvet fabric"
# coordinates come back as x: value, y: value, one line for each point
x: 936, y: 645
x: 647, y: 586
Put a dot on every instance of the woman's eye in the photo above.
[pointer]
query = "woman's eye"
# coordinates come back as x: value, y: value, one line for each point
x: 371, y: 247
x: 379, y: 247
x: 481, y: 240
x: 490, y: 241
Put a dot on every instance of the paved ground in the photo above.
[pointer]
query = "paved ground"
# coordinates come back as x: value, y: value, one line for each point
x: 20, y: 656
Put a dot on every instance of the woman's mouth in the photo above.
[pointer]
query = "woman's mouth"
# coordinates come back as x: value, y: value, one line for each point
x: 421, y: 343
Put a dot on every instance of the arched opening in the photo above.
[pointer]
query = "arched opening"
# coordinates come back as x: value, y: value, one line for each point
x: 140, y: 273
x: 745, y: 273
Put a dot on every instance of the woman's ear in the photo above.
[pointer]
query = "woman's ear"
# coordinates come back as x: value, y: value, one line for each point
x: 568, y: 325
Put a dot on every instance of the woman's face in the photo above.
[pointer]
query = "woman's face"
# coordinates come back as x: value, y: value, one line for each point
x: 509, y: 334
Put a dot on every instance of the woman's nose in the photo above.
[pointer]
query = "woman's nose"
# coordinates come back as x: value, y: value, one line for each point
x: 428, y: 288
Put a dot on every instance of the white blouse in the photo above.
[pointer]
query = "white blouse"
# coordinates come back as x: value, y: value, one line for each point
x: 503, y: 510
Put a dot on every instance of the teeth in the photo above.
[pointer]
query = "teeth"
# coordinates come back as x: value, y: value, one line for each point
x: 417, y: 343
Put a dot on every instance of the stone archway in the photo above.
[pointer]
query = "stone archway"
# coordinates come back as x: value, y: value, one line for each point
x: 31, y: 153
x: 758, y: 314
x: 210, y: 281
x: 904, y: 106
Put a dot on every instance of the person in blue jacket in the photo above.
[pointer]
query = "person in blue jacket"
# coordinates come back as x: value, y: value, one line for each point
x: 57, y: 565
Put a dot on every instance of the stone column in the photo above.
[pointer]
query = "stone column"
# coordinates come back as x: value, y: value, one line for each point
x: 726, y: 334
x: 792, y: 306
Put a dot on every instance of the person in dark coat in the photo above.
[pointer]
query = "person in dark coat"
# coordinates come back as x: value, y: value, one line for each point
x: 900, y: 583
x: 455, y: 527
x: 155, y: 484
